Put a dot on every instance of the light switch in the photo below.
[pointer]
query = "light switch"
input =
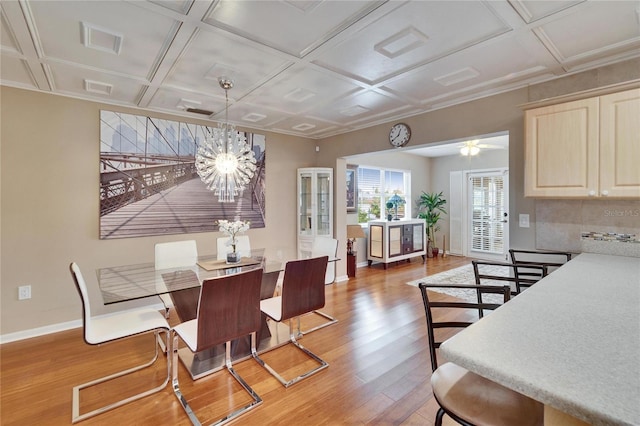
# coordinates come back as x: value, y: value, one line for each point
x: 524, y: 220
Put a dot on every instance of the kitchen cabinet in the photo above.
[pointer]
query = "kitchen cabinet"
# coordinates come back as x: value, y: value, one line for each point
x: 586, y: 148
x: 390, y: 241
x: 315, y: 206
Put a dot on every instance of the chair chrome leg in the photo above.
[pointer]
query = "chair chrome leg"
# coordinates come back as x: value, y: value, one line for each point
x: 75, y: 404
x: 292, y: 339
x: 331, y: 319
x: 176, y: 385
x: 256, y: 399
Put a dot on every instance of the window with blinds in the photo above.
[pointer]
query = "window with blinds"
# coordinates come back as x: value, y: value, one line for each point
x: 376, y: 186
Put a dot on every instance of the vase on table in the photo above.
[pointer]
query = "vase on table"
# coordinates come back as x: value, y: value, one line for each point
x: 233, y: 256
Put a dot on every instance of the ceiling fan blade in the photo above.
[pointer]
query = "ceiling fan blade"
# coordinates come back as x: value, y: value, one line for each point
x: 485, y: 146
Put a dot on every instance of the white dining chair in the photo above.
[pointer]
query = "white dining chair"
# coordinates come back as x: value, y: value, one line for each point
x: 326, y: 247
x: 109, y: 327
x: 243, y: 246
x: 174, y: 254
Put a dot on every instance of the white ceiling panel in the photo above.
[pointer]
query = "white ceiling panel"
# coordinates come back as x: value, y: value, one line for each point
x: 246, y: 114
x: 17, y: 71
x: 591, y: 32
x: 63, y: 37
x: 305, y: 126
x: 504, y: 60
x: 532, y: 11
x: 7, y: 39
x: 294, y: 27
x: 169, y: 99
x: 180, y: 6
x: 414, y: 34
x: 95, y: 84
x: 299, y: 89
x: 213, y: 54
x: 312, y: 68
x: 353, y: 109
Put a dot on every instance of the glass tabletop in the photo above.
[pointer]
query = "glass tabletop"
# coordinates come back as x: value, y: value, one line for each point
x: 131, y: 282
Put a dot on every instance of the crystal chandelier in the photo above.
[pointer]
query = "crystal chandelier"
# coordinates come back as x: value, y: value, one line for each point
x: 225, y: 161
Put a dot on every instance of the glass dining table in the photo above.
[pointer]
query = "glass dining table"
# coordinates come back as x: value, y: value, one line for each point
x: 132, y: 282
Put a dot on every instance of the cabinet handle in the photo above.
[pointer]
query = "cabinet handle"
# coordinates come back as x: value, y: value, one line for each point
x: 605, y: 193
x: 592, y: 193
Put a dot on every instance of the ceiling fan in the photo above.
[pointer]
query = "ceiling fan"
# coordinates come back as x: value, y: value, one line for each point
x: 472, y: 147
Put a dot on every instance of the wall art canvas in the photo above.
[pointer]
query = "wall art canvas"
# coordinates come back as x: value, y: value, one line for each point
x: 149, y: 184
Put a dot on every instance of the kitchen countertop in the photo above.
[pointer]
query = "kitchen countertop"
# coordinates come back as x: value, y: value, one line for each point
x: 571, y: 341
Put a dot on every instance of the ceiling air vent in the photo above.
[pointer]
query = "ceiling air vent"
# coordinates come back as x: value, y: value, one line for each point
x: 199, y: 111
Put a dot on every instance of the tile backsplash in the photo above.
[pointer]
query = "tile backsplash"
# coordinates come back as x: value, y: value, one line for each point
x: 611, y: 243
x: 560, y: 224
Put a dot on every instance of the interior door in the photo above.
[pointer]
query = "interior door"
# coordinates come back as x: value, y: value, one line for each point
x: 488, y: 214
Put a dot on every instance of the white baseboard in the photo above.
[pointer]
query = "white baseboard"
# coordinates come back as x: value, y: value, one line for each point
x: 341, y: 279
x: 40, y: 331
x: 50, y: 329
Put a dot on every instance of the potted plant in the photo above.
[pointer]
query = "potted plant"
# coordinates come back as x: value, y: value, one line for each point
x: 430, y: 207
x: 233, y: 229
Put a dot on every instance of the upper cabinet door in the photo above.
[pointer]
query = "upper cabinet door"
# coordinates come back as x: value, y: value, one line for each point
x: 620, y: 144
x: 561, y: 150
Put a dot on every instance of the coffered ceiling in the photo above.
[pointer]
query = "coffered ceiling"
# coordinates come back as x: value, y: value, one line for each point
x: 313, y: 68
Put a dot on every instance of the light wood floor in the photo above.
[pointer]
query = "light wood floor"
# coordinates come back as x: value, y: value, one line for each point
x: 379, y: 367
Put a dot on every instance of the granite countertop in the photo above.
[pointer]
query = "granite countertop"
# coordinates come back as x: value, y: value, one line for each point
x: 572, y: 341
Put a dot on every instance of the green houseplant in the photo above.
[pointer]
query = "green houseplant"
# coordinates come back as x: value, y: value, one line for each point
x: 430, y: 207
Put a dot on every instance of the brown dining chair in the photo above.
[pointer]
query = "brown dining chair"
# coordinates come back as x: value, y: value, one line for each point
x: 302, y: 292
x: 487, y: 272
x: 108, y: 328
x: 466, y: 397
x: 228, y: 309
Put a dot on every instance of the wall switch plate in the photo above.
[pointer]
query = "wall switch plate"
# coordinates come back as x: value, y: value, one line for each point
x: 24, y: 292
x: 524, y: 220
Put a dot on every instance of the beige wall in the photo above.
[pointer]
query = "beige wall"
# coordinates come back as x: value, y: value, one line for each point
x: 49, y: 214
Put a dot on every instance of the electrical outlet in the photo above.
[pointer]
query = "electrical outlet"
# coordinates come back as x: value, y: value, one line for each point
x: 24, y: 292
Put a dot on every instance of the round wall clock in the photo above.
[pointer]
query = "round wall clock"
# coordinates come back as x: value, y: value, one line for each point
x: 399, y: 135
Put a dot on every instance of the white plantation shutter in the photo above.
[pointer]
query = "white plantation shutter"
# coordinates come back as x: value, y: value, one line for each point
x: 487, y: 226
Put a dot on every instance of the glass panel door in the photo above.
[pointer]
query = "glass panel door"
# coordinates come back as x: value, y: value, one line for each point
x: 418, y: 234
x: 489, y: 226
x: 395, y: 241
x: 324, y: 204
x: 376, y: 242
x: 304, y: 208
